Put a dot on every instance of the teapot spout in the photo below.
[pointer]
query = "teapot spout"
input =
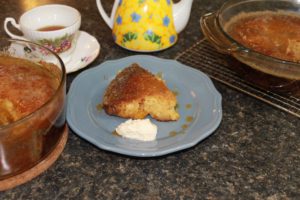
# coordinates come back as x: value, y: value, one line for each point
x: 181, y: 14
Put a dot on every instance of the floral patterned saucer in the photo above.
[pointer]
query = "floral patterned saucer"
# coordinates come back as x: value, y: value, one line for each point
x: 86, y: 51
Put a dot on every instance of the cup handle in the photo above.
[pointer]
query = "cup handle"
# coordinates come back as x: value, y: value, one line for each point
x: 215, y: 35
x: 13, y: 22
x: 108, y: 20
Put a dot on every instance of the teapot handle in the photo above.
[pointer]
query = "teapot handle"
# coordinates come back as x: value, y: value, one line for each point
x: 108, y: 20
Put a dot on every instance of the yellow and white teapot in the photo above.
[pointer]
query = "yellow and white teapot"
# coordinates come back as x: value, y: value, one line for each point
x: 146, y: 25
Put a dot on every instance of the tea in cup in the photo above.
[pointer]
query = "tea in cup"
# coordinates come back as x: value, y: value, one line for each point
x: 53, y: 26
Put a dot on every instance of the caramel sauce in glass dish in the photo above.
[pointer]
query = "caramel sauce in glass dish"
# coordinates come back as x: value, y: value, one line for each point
x: 262, y: 39
x: 32, y: 114
x: 274, y: 34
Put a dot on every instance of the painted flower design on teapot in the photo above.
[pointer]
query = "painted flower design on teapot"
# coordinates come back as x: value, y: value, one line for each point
x: 143, y: 25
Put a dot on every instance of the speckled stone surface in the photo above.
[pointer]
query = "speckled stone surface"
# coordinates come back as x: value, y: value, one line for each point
x: 254, y: 154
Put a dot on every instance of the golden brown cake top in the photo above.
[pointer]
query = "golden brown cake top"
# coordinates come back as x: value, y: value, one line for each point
x: 24, y: 87
x: 271, y: 33
x: 134, y: 82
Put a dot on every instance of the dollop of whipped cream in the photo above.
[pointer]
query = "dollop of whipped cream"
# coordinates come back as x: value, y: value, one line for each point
x: 139, y: 129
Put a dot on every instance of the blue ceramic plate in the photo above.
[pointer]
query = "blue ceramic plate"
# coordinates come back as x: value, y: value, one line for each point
x: 199, y: 107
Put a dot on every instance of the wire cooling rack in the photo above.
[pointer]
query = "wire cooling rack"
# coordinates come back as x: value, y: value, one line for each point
x: 205, y: 58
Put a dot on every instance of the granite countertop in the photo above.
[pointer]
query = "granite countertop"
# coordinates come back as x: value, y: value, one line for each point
x: 254, y: 154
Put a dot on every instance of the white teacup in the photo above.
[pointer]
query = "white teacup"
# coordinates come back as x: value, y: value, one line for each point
x: 53, y: 26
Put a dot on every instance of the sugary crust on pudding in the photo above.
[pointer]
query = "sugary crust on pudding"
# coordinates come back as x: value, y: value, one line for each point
x: 135, y: 93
